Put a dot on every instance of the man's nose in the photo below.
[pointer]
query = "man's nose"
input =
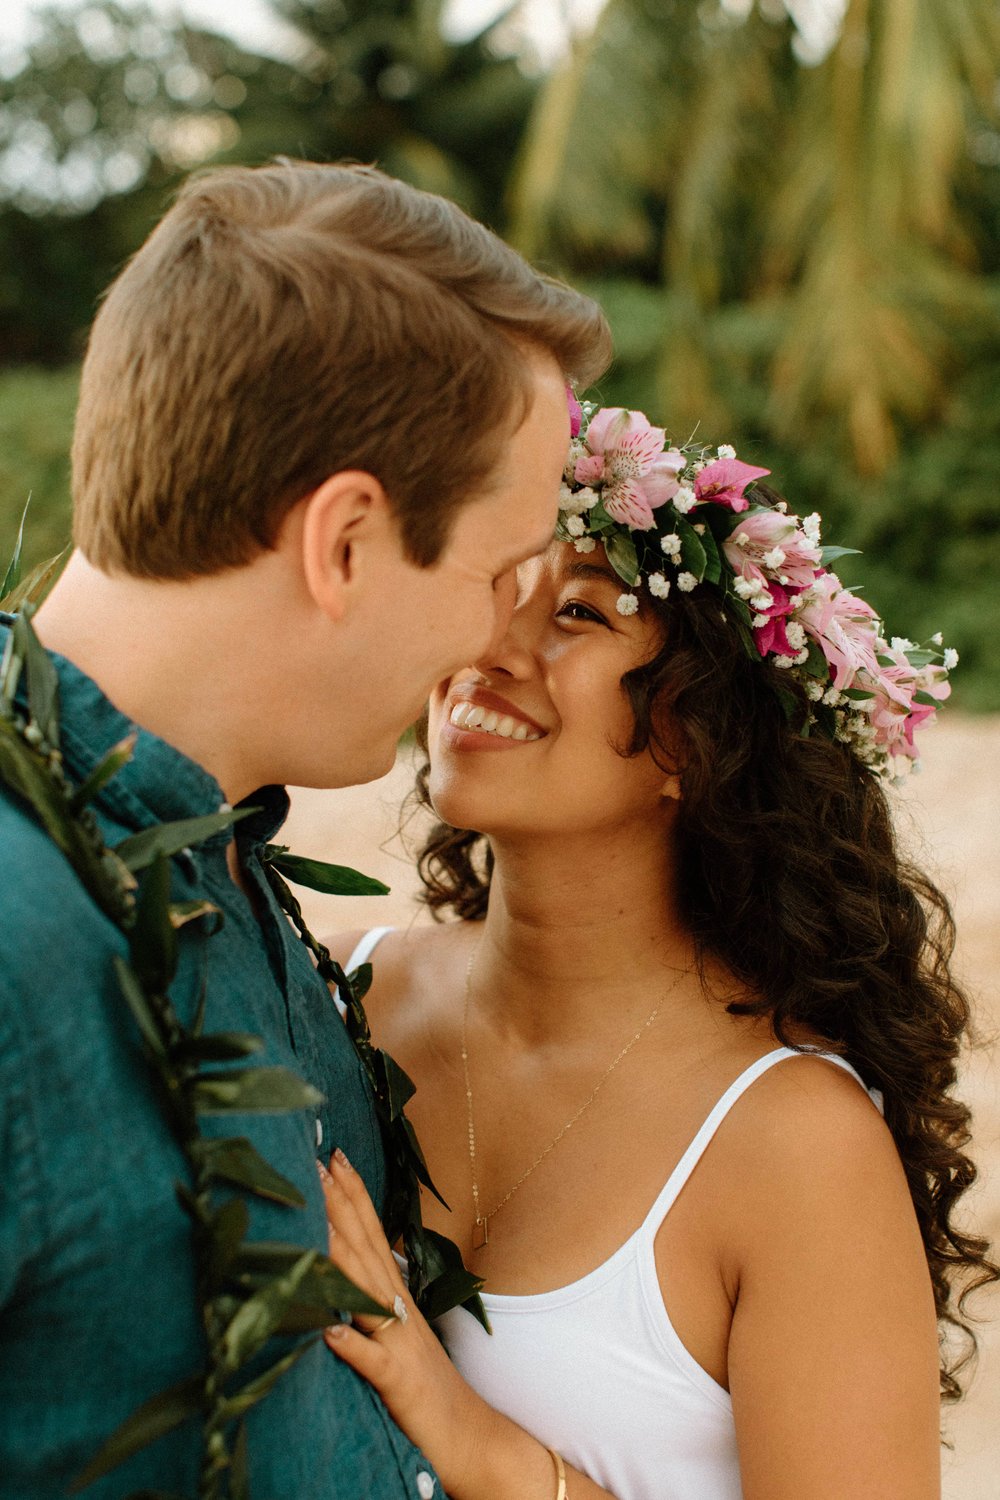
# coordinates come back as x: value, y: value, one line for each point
x: 505, y: 596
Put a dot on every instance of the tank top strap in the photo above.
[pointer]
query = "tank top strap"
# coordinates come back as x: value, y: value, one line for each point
x: 363, y: 951
x: 366, y: 946
x: 679, y: 1176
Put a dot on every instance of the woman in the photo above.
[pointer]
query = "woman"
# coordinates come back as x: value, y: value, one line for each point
x: 690, y: 974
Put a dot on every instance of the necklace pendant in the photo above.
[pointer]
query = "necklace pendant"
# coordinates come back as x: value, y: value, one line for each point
x: 480, y: 1233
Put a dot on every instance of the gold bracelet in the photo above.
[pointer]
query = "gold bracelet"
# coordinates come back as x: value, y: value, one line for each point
x: 560, y: 1473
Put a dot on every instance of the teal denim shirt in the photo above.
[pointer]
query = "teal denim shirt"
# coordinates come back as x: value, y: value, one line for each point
x: 97, y: 1305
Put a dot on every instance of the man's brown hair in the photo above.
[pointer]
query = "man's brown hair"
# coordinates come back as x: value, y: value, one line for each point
x: 286, y: 322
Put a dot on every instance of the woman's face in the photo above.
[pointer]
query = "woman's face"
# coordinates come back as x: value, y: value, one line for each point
x: 527, y: 739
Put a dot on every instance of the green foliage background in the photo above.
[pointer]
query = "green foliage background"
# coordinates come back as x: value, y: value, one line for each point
x: 801, y: 256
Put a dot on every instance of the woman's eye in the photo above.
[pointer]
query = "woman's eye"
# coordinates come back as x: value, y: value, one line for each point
x: 573, y: 609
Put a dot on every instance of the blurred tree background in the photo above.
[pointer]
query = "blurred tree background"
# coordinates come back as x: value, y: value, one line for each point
x: 797, y: 243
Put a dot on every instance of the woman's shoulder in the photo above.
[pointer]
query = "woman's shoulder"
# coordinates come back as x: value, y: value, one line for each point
x: 811, y: 1151
x: 413, y: 968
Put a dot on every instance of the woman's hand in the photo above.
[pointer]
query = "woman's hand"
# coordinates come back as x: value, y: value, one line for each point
x: 400, y: 1357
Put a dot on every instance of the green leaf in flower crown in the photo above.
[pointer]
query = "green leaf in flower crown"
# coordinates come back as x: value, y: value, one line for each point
x: 693, y: 553
x: 218, y: 1046
x: 12, y: 577
x: 139, y: 850
x: 106, y: 769
x: 138, y: 1004
x: 235, y: 1160
x: 253, y: 1091
x: 920, y: 658
x: 260, y: 1315
x: 829, y: 555
x: 816, y: 663
x: 153, y: 940
x: 255, y: 1390
x: 332, y: 880
x: 153, y: 1420
x: 43, y: 682
x: 622, y: 556
x: 713, y: 560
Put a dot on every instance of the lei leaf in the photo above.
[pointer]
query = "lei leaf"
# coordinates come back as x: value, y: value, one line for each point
x: 152, y: 1420
x: 693, y: 552
x: 332, y: 880
x: 622, y: 556
x: 139, y: 850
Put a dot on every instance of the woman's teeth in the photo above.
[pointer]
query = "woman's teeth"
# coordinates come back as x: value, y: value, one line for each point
x: 488, y: 721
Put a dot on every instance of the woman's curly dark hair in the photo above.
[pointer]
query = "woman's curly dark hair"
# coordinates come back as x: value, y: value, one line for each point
x: 789, y: 872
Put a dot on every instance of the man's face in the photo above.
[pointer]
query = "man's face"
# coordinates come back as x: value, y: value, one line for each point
x: 430, y: 621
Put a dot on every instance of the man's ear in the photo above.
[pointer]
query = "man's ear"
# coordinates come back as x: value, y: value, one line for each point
x: 347, y: 509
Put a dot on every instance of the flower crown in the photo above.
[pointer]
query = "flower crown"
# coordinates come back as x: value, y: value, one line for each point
x: 682, y: 517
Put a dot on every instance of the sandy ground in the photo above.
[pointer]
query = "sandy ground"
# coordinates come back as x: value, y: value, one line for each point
x: 950, y: 816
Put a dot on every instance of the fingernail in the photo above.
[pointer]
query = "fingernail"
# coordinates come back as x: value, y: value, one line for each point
x: 322, y: 1171
x: 336, y: 1330
x: 342, y: 1159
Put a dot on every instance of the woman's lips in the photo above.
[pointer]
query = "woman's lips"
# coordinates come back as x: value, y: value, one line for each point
x: 482, y: 720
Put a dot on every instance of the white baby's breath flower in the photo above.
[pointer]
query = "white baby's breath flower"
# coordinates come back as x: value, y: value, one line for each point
x: 659, y: 586
x: 950, y: 659
x: 783, y: 661
x: 670, y: 544
x: 937, y: 639
x: 811, y: 526
x: 758, y: 622
x: 741, y: 539
x: 726, y: 451
x: 686, y: 582
x: 802, y: 657
x: 795, y: 635
x: 685, y: 500
x: 773, y: 559
x: 626, y: 604
x: 814, y: 690
x: 575, y: 525
x: 900, y: 643
x: 832, y: 697
x: 585, y: 544
x: 782, y: 505
x: 745, y: 588
x: 699, y: 527
x: 761, y: 601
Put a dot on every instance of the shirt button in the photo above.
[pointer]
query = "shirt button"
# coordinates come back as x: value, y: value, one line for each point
x: 425, y: 1485
x: 319, y: 1134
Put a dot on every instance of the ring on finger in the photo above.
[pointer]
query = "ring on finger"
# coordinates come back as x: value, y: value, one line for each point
x: 400, y: 1313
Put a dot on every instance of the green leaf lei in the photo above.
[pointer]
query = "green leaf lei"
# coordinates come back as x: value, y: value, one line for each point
x: 246, y: 1292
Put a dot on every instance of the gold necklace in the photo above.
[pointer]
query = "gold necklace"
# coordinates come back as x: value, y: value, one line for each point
x: 480, y: 1228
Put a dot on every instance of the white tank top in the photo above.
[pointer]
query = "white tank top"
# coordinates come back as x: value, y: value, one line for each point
x: 596, y: 1370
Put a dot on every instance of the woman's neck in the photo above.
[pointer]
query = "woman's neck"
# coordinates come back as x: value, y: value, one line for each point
x: 582, y: 934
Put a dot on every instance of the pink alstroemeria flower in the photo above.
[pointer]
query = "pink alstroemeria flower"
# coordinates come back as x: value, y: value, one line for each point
x: 627, y: 460
x: 845, y: 628
x: 757, y: 537
x: 893, y: 712
x: 724, y: 481
x: 575, y: 412
x: 771, y: 637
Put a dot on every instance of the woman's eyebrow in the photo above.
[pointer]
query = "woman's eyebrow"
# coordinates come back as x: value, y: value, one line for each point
x: 593, y: 571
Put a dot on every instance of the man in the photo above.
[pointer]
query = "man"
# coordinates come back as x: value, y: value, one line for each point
x: 322, y: 419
